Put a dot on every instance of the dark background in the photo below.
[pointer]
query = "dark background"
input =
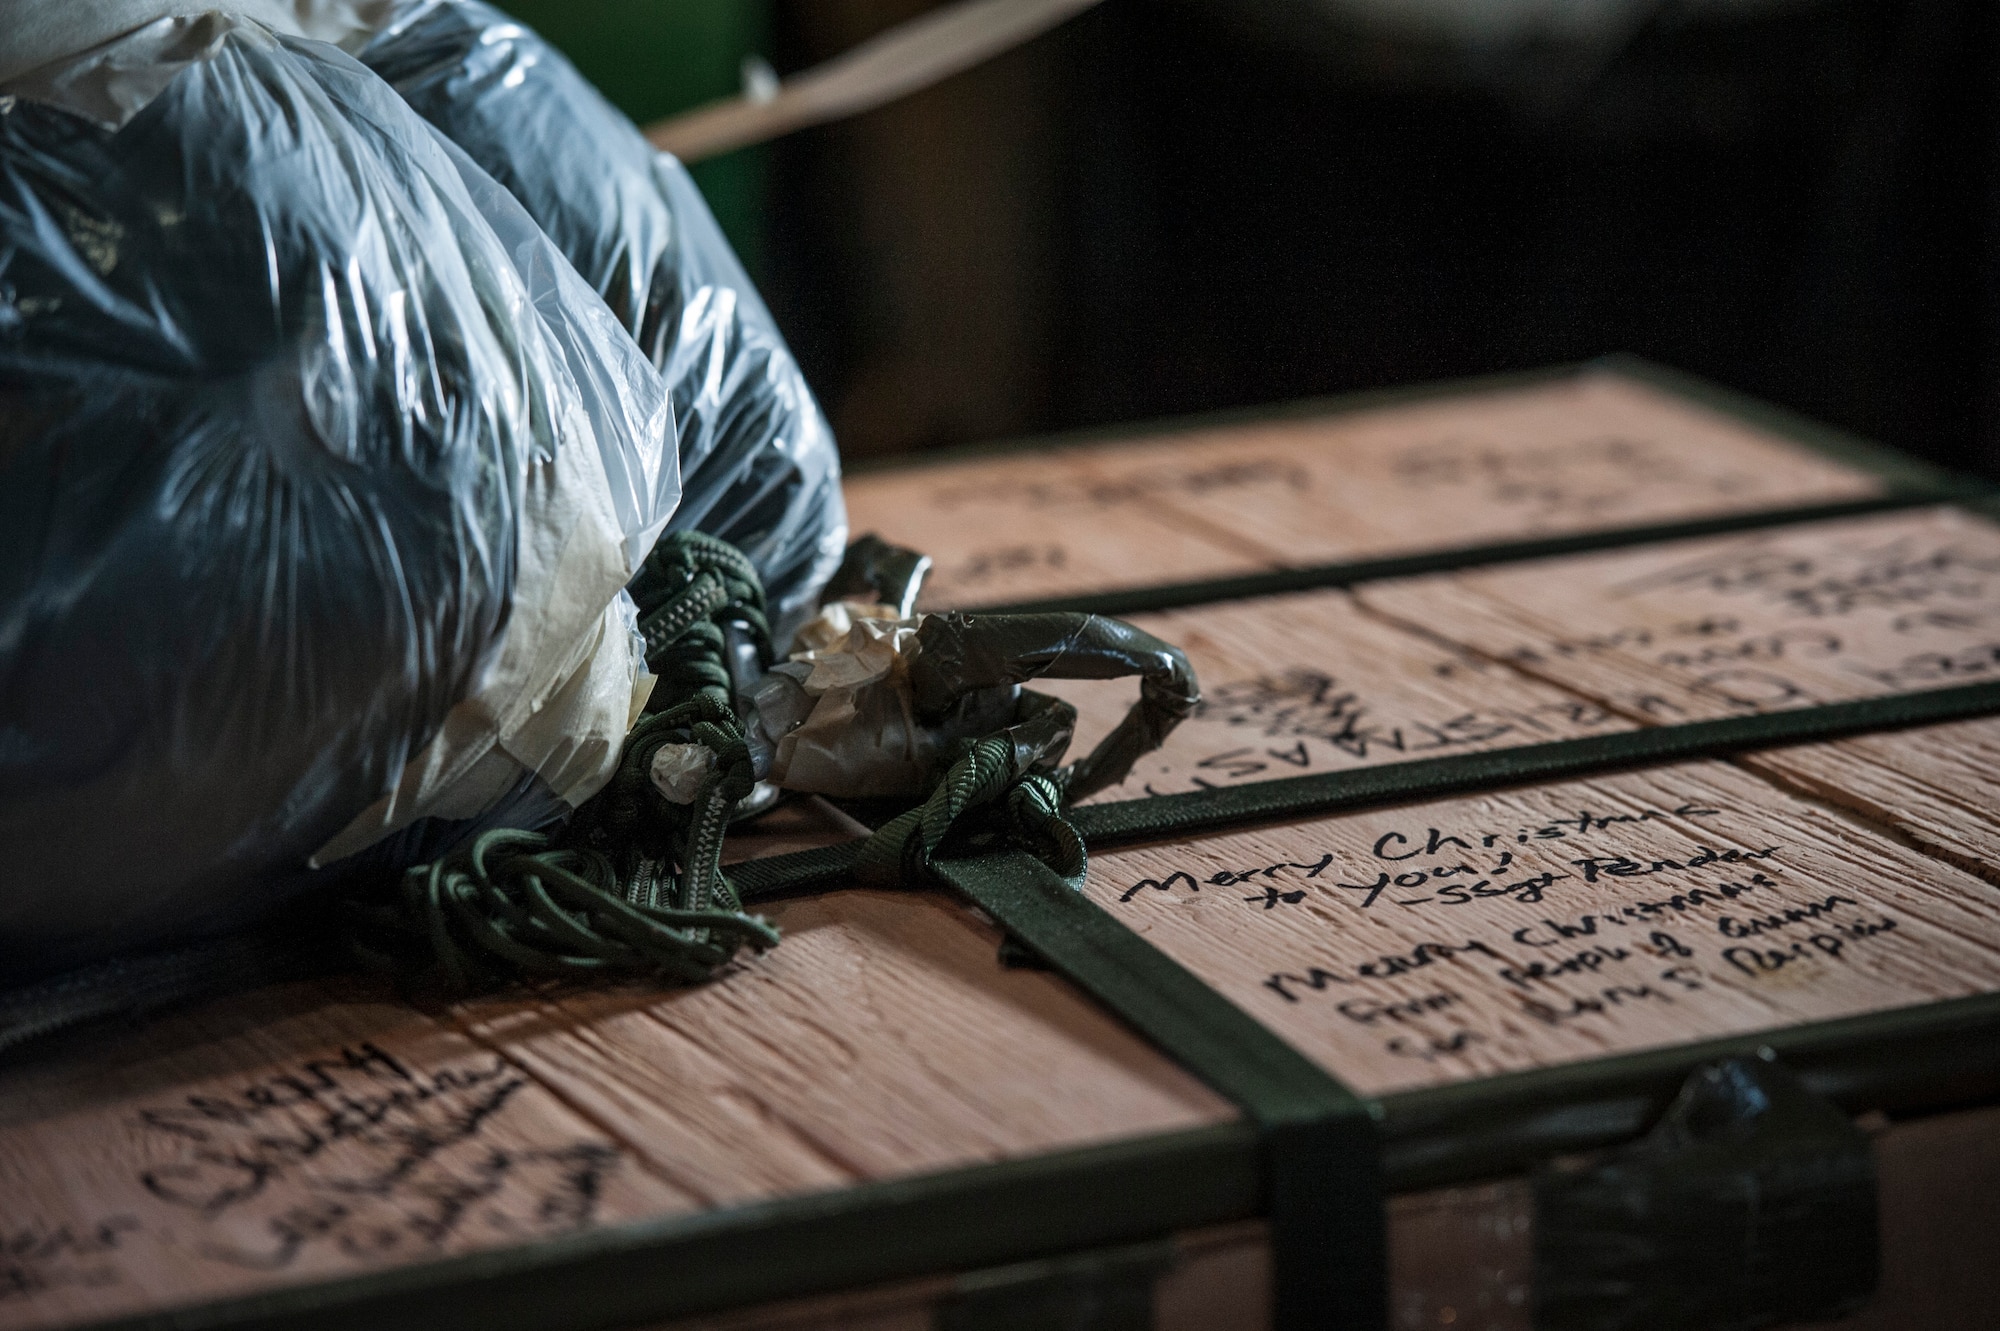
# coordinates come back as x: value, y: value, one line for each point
x: 1172, y: 206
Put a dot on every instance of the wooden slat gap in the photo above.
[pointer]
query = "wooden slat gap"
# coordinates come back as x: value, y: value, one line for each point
x: 1868, y: 818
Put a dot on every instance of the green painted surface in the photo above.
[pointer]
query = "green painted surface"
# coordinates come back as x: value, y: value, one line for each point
x: 655, y: 57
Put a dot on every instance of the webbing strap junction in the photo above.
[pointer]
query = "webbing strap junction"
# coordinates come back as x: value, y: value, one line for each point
x: 1320, y: 1157
x: 1323, y: 793
x: 1321, y: 1166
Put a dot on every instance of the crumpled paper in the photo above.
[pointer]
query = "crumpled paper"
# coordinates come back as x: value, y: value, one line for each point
x: 838, y: 715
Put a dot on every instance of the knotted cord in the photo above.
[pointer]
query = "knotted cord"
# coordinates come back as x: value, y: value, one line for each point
x: 1030, y: 809
x: 634, y: 885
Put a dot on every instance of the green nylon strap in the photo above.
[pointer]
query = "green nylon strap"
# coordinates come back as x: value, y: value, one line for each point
x: 1427, y: 778
x: 1328, y: 792
x: 1320, y: 1165
x: 796, y: 873
x: 1322, y: 1175
x: 1138, y: 600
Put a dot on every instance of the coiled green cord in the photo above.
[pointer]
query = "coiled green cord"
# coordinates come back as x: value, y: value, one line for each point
x: 634, y: 887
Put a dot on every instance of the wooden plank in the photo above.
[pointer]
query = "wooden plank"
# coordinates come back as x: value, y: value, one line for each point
x: 1834, y: 611
x: 1593, y: 450
x: 1308, y: 683
x: 287, y: 1136
x: 313, y: 1131
x: 1463, y: 1257
x: 880, y: 1039
x: 1043, y: 523
x: 1528, y: 928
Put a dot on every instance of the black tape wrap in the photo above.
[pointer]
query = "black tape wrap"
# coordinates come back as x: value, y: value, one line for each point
x: 964, y: 654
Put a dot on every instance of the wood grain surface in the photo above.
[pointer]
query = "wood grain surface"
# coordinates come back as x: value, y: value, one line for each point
x: 1525, y: 928
x: 297, y: 1133
x: 1736, y: 625
x: 1594, y: 450
x: 287, y: 1135
x: 1312, y: 682
x: 290, y: 1134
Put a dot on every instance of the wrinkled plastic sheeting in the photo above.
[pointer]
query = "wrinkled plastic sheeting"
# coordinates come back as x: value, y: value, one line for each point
x: 1752, y: 1203
x: 276, y: 403
x: 758, y: 463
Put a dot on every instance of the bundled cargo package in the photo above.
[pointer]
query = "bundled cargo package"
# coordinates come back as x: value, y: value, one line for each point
x: 757, y: 460
x: 325, y: 468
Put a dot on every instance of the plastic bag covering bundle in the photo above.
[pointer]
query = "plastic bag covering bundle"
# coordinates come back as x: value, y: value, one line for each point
x: 321, y: 473
x: 758, y: 463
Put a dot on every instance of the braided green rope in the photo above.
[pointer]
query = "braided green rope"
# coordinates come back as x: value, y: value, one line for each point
x: 634, y: 886
x: 690, y: 585
x: 511, y: 900
x: 606, y: 898
x: 902, y: 850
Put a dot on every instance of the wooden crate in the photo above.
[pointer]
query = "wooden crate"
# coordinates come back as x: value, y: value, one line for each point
x: 879, y: 1125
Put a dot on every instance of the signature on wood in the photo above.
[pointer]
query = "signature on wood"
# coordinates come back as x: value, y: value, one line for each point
x: 1141, y: 485
x: 1301, y: 709
x: 1914, y: 584
x: 1579, y: 476
x: 1675, y: 923
x: 37, y: 1257
x: 361, y: 1153
x: 984, y: 566
x: 1484, y: 880
x: 1902, y: 573
x: 1305, y: 704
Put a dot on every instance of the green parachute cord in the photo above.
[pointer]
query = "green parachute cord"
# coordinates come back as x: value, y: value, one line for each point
x: 1029, y: 809
x: 633, y: 887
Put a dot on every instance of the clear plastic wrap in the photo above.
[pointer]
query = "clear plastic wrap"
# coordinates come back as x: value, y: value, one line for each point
x: 320, y: 475
x: 758, y: 463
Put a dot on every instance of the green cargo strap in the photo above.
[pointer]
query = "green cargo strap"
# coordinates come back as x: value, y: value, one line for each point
x: 1321, y: 1174
x: 1201, y: 811
x: 1428, y: 778
x: 1319, y: 1166
x: 1107, y: 1290
x: 1349, y: 573
x: 1319, y: 1155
